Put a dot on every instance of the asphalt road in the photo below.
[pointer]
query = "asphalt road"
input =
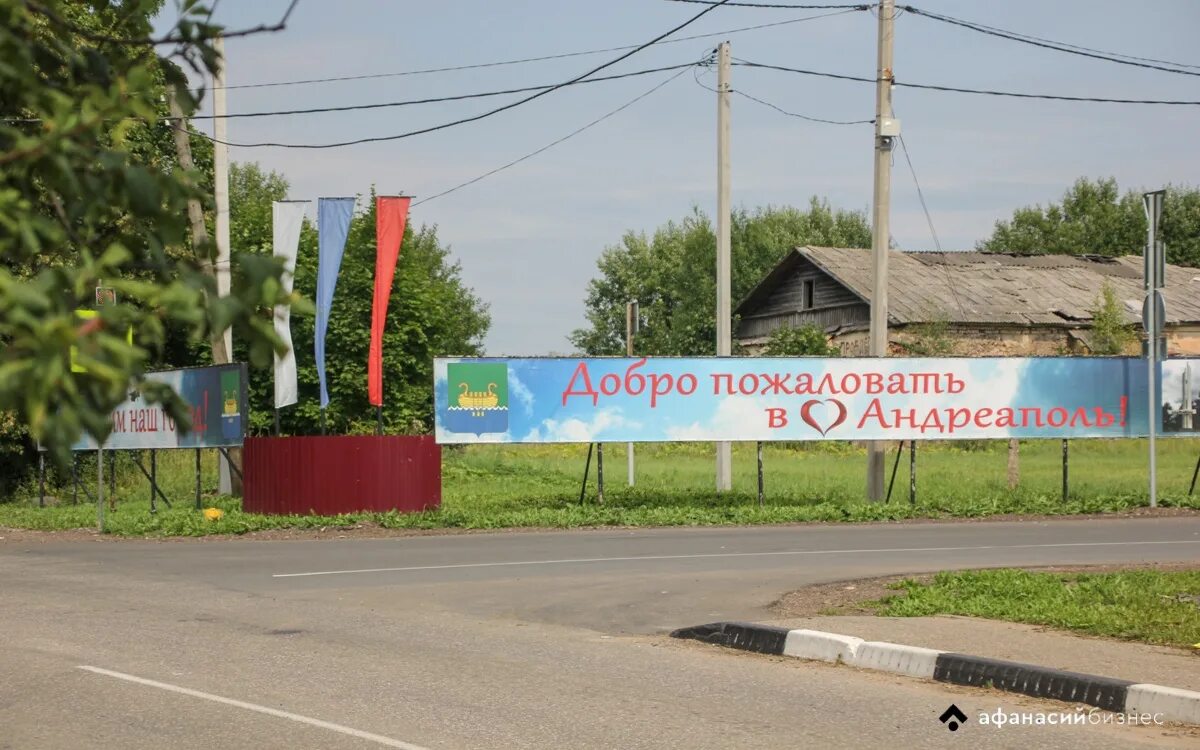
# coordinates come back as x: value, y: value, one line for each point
x: 537, y: 640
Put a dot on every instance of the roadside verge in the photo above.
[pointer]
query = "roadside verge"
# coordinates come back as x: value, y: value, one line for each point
x: 1111, y: 694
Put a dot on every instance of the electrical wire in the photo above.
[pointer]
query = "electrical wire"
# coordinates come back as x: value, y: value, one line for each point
x: 793, y: 6
x: 960, y: 90
x: 561, y: 56
x: 488, y: 113
x: 455, y: 98
x: 696, y: 76
x: 920, y: 194
x: 1070, y: 49
x: 552, y: 144
x: 800, y: 116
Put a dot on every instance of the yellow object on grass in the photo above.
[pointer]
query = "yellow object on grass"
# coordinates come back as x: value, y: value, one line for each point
x: 213, y: 514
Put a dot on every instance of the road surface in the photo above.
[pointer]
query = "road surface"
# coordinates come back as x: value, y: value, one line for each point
x: 525, y: 640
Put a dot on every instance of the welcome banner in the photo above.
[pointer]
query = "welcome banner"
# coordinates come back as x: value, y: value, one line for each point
x: 564, y: 400
x: 219, y: 412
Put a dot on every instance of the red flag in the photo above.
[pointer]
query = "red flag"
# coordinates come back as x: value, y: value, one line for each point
x: 391, y: 213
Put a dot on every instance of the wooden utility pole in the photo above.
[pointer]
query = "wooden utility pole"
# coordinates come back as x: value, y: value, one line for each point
x: 724, y: 303
x: 886, y: 130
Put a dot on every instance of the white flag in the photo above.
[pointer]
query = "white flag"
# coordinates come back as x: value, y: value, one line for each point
x: 286, y: 218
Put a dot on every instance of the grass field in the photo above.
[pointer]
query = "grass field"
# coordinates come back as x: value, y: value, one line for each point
x: 1160, y: 607
x: 538, y: 486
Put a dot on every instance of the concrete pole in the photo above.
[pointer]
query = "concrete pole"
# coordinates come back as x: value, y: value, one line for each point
x: 221, y: 196
x: 880, y: 233
x: 724, y: 208
x: 630, y: 326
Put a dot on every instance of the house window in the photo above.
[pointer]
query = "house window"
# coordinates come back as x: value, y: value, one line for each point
x: 809, y: 290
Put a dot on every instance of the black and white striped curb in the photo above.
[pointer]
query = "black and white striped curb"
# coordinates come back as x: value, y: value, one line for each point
x: 1108, y: 693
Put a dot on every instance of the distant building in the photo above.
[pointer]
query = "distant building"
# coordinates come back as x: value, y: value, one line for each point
x: 981, y: 303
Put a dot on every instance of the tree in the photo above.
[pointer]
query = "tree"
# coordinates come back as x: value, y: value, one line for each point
x: 672, y: 274
x: 431, y: 313
x: 800, y: 341
x: 1110, y: 333
x: 82, y: 199
x: 1095, y: 218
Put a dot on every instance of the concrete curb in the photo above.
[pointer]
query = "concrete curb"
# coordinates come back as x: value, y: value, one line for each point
x: 1122, y: 696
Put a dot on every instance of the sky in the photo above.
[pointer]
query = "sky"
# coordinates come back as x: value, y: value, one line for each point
x: 528, y: 238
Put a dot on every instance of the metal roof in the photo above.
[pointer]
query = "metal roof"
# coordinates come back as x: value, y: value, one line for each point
x: 973, y: 287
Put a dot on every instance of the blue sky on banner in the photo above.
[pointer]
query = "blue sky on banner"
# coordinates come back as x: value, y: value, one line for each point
x: 536, y: 412
x: 977, y: 157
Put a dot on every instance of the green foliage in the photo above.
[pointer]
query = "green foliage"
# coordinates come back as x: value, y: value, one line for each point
x: 505, y: 486
x: 931, y: 338
x: 430, y: 313
x: 673, y: 274
x: 800, y: 341
x: 1094, y: 218
x: 1153, y: 606
x: 1110, y: 333
x: 89, y: 192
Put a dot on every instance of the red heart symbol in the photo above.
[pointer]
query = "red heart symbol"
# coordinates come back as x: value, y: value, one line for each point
x: 806, y: 414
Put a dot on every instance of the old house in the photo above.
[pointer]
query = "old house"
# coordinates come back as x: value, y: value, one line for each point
x: 975, y: 303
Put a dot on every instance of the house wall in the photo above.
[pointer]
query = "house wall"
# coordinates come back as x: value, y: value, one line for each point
x: 983, y: 341
x: 834, y: 306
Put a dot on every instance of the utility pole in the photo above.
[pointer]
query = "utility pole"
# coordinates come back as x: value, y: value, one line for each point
x: 226, y: 477
x: 183, y: 152
x: 631, y: 328
x: 724, y: 305
x: 886, y: 129
x: 1154, y: 260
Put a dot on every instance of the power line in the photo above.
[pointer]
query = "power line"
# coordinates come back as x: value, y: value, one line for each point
x: 1070, y: 49
x: 959, y: 90
x: 552, y: 144
x: 792, y: 6
x: 489, y: 113
x: 800, y: 116
x: 561, y: 56
x: 383, y: 105
x: 777, y: 108
x: 457, y: 97
x: 920, y: 195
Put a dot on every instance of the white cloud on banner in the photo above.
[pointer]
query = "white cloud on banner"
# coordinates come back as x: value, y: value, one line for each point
x: 520, y: 392
x: 576, y: 430
x: 736, y: 418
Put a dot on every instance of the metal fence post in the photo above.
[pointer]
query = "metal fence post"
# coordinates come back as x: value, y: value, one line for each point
x: 600, y: 473
x: 153, y: 480
x: 41, y: 479
x: 197, y: 479
x: 587, y: 466
x: 912, y: 472
x: 1065, y: 469
x: 760, y: 474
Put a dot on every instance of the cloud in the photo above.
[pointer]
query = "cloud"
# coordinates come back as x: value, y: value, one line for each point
x: 520, y: 392
x: 736, y: 418
x: 576, y: 430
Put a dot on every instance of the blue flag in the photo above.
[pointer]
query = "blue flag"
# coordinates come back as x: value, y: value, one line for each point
x: 333, y: 225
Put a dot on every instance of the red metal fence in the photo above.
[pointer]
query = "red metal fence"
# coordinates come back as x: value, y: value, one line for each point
x: 328, y: 475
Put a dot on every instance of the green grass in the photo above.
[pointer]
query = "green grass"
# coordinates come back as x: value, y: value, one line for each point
x: 1137, y: 605
x: 494, y: 486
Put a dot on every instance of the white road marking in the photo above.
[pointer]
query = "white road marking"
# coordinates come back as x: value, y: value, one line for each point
x: 349, y: 731
x: 726, y: 554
